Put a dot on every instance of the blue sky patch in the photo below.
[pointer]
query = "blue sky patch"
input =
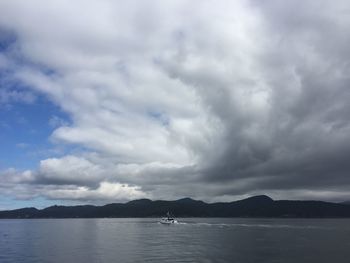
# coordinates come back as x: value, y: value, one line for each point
x: 25, y: 131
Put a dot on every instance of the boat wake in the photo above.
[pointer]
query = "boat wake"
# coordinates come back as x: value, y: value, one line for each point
x: 239, y: 225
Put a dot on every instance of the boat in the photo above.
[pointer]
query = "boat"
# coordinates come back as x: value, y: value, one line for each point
x: 168, y: 220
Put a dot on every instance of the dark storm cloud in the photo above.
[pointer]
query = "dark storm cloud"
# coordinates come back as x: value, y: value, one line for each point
x: 304, y: 143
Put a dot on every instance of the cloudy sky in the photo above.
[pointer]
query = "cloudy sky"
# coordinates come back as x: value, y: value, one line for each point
x: 108, y: 101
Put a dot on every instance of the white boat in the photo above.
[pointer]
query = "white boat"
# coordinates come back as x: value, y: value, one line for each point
x: 168, y: 220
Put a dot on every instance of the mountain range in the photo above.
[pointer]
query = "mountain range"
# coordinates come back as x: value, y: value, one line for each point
x: 256, y: 206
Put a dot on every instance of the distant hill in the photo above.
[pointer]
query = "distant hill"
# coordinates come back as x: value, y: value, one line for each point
x: 257, y: 206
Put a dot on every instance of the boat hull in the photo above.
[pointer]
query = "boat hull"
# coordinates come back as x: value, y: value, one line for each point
x: 167, y: 222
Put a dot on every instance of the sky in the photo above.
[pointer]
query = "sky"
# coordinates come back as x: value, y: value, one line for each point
x: 109, y: 101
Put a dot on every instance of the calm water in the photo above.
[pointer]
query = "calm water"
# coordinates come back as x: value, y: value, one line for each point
x: 194, y: 240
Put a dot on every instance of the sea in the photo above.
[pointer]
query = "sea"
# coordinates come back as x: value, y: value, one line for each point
x: 191, y: 240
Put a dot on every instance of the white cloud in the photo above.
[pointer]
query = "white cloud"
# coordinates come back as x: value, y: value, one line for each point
x: 106, y: 191
x: 8, y: 96
x: 69, y: 170
x: 13, y: 176
x: 164, y: 93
